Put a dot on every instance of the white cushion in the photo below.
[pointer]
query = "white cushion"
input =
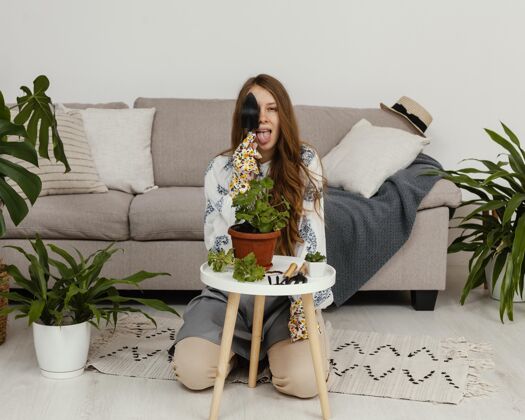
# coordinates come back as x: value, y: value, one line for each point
x: 83, y: 177
x: 368, y: 155
x: 120, y: 141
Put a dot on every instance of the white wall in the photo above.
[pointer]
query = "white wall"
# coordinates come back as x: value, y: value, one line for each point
x: 464, y: 61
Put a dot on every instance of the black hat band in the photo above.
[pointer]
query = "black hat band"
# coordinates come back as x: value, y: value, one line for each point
x: 414, y: 119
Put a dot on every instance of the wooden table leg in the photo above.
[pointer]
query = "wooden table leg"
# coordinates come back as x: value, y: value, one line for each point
x: 315, y: 348
x: 224, y: 355
x: 258, y: 315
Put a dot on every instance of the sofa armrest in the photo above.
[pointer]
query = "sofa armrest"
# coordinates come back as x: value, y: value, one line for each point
x: 443, y: 193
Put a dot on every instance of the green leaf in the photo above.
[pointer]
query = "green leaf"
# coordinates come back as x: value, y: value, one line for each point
x: 518, y: 252
x: 19, y: 249
x: 219, y: 260
x: 499, y: 263
x: 37, y: 269
x: 39, y: 104
x: 476, y: 275
x: 512, y: 205
x: 29, y: 183
x: 35, y: 311
x: 95, y: 312
x: 7, y: 128
x: 41, y: 251
x: 6, y: 310
x: 4, y: 110
x: 16, y: 205
x: 460, y: 246
x: 32, y: 129
x: 3, y: 227
x: 43, y: 134
x: 491, y: 205
x: 16, y: 297
x: 506, y: 284
x: 63, y: 270
x: 315, y: 257
x: 29, y: 285
x: 21, y: 150
x: 141, y: 276
x: 246, y: 269
x: 65, y: 255
x: 72, y: 291
x: 513, y: 138
x: 510, y: 148
x: 157, y: 304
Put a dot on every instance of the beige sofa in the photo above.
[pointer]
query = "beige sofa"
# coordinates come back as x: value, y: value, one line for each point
x: 162, y: 230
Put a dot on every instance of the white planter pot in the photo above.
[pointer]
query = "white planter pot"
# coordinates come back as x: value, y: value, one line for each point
x: 316, y: 269
x: 489, y: 269
x: 62, y: 351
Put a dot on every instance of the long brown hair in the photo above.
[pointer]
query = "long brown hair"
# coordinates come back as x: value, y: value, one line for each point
x: 287, y: 169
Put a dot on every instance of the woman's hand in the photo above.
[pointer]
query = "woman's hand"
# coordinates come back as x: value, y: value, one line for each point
x: 245, y: 167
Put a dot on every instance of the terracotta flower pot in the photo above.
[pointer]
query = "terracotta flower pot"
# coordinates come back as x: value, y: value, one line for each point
x: 261, y: 244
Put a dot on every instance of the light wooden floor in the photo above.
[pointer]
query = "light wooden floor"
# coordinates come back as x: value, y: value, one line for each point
x: 24, y: 394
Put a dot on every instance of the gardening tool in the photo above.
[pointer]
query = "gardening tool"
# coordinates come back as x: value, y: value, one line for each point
x: 290, y: 276
x: 299, y: 277
x: 250, y: 113
x: 289, y: 271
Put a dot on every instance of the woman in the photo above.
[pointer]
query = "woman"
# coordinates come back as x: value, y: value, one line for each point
x: 297, y: 174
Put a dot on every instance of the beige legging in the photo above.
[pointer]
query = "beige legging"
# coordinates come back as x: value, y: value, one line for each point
x: 195, y: 364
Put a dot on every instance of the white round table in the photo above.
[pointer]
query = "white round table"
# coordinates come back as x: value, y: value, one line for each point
x: 224, y: 281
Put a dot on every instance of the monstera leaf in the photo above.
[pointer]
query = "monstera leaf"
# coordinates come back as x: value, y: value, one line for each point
x: 36, y: 109
x: 36, y: 112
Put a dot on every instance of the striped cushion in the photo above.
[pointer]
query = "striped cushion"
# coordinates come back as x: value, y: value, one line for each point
x: 83, y: 177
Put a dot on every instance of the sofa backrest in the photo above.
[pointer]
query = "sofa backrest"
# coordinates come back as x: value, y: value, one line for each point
x: 188, y: 133
x: 105, y: 105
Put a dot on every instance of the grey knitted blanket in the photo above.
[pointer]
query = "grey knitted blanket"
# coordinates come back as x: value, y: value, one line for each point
x: 362, y: 234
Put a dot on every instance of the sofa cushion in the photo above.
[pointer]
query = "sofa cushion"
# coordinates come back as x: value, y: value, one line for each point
x: 101, y: 216
x: 83, y: 177
x: 120, y: 141
x: 168, y: 213
x: 443, y: 193
x: 368, y: 155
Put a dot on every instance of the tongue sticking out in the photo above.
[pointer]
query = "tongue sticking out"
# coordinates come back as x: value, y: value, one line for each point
x: 264, y: 136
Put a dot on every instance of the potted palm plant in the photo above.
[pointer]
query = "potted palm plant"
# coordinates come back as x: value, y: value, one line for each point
x: 494, y: 231
x: 37, y: 112
x: 258, y: 222
x: 62, y: 313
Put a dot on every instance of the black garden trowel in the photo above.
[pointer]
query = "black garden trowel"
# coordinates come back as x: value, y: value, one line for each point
x: 250, y: 113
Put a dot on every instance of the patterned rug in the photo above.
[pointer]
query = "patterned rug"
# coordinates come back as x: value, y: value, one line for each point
x: 418, y: 368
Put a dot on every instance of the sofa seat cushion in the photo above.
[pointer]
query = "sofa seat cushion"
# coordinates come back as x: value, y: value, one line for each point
x: 102, y: 216
x: 443, y: 193
x: 168, y: 213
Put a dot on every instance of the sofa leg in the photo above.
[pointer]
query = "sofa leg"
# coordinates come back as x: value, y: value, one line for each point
x: 423, y: 300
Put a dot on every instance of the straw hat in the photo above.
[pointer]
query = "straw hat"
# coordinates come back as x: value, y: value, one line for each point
x: 418, y: 116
